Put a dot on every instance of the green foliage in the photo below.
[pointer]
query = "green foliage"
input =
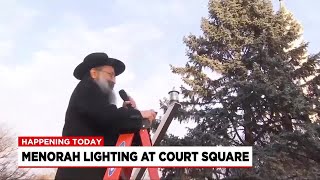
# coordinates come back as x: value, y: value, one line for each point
x: 266, y: 94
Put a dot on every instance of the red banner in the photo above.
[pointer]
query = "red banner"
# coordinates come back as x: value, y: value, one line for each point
x: 61, y: 141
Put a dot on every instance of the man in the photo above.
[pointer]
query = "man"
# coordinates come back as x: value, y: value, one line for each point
x: 91, y: 110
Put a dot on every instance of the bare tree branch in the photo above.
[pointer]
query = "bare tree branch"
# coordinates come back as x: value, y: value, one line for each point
x: 8, y: 163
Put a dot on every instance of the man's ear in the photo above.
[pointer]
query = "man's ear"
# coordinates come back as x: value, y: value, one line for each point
x: 93, y: 73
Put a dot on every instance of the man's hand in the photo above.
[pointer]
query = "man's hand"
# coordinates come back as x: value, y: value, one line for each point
x: 131, y: 102
x: 149, y: 114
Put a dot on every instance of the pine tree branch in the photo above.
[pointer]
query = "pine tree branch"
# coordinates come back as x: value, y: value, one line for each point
x: 235, y: 129
x: 265, y: 128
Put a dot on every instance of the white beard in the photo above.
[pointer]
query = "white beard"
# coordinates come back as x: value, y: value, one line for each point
x: 112, y: 98
x: 105, y: 87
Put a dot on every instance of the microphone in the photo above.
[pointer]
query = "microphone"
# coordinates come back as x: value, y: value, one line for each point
x: 124, y: 96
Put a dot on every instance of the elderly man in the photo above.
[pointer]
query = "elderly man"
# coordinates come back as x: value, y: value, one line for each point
x: 91, y: 110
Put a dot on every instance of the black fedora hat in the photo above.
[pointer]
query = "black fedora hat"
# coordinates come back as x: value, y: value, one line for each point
x: 95, y: 60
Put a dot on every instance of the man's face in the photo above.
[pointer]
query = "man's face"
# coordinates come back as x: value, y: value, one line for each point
x: 105, y: 77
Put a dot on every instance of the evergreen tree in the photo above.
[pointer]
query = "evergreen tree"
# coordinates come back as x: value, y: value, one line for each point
x: 266, y: 95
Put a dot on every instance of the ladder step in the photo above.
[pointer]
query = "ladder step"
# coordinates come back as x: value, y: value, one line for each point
x: 125, y: 173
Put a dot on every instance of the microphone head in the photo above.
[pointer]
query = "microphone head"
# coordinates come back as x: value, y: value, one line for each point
x: 124, y: 96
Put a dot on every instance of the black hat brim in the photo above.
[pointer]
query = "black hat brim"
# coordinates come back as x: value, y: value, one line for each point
x: 84, y: 67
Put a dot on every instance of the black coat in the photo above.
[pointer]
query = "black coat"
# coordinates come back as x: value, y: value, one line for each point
x: 90, y: 114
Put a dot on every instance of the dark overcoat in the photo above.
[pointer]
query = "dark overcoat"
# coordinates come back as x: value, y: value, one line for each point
x: 90, y: 114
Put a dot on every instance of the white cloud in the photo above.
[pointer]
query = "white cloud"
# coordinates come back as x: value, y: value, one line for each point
x: 14, y: 19
x: 36, y: 95
x: 162, y: 11
x: 6, y: 48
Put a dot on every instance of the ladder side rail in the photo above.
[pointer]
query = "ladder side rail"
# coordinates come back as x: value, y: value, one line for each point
x: 159, y: 134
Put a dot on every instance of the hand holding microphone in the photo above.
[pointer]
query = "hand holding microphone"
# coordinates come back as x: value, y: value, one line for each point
x: 127, y: 101
x: 130, y: 103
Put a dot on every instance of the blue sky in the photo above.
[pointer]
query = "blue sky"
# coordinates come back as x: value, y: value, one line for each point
x: 41, y: 42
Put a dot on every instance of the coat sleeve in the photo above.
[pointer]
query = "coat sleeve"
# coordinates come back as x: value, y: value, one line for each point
x: 107, y: 116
